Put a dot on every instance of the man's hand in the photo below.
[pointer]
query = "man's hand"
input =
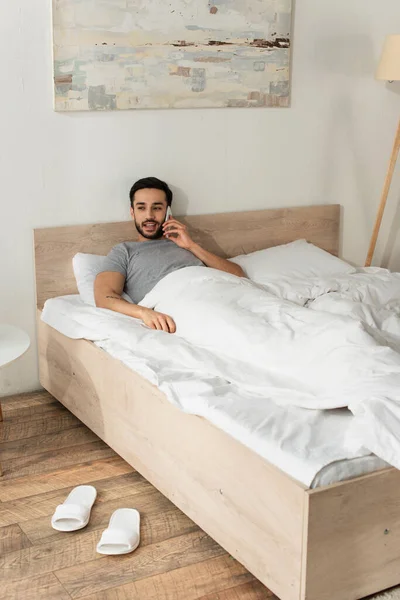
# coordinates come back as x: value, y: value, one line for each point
x: 156, y: 320
x: 180, y: 234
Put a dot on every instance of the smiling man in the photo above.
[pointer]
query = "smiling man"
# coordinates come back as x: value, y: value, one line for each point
x: 164, y: 246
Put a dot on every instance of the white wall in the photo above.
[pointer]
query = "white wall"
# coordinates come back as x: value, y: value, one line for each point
x: 331, y: 146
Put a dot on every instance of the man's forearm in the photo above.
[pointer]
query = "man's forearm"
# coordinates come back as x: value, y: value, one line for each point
x: 151, y: 318
x: 216, y: 262
x: 116, y: 303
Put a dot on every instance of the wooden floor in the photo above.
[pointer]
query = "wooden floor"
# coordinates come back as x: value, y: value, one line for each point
x: 45, y: 451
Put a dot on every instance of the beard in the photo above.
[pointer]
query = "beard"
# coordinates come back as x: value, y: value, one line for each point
x: 155, y: 234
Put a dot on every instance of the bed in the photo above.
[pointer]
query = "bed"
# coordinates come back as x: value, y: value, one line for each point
x: 339, y: 542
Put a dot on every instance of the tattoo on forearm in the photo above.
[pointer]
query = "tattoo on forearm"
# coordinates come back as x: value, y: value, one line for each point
x: 113, y: 297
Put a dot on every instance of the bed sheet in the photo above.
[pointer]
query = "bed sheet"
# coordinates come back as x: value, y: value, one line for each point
x: 309, y: 445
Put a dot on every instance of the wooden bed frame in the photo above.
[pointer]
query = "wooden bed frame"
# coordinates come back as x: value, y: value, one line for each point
x: 340, y: 542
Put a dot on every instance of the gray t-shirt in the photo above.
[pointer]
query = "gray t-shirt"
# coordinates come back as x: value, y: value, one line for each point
x: 145, y: 263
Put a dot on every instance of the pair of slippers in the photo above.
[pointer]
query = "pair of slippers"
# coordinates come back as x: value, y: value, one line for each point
x: 122, y: 534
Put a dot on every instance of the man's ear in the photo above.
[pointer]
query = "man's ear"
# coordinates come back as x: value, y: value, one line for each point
x: 132, y: 214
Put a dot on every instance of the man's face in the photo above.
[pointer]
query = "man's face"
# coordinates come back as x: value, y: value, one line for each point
x: 149, y: 210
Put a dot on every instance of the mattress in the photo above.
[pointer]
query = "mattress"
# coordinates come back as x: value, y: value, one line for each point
x: 308, y: 445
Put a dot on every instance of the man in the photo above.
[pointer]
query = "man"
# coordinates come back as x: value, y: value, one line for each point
x: 164, y: 246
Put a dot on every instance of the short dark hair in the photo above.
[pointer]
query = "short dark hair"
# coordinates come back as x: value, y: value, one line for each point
x: 151, y: 183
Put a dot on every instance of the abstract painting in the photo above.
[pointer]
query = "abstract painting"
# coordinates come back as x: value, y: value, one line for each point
x: 132, y: 54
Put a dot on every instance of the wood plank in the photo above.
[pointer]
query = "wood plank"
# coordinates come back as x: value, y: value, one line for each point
x: 160, y: 519
x: 38, y: 444
x: 43, y: 505
x: 136, y: 419
x: 225, y: 234
x: 16, y: 415
x: 43, y: 587
x: 27, y: 400
x: 49, y: 422
x: 91, y: 578
x: 57, y: 459
x: 254, y: 590
x: 353, y: 545
x: 186, y: 583
x: 75, y: 562
x: 31, y: 485
x: 12, y: 538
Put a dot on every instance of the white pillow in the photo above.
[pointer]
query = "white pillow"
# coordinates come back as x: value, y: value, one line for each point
x: 298, y: 260
x: 86, y: 268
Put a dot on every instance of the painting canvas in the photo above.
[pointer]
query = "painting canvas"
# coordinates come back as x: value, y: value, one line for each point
x: 132, y: 54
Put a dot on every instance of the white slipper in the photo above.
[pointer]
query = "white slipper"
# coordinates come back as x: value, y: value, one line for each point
x: 74, y: 513
x: 122, y: 534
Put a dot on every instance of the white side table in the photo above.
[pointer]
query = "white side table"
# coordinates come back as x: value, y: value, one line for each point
x: 14, y: 342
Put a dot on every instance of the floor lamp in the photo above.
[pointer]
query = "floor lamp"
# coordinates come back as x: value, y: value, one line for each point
x: 388, y: 70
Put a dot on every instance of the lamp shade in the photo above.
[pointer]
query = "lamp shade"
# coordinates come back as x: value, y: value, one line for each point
x: 389, y: 66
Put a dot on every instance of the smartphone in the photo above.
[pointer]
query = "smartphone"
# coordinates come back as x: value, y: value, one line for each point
x: 168, y: 214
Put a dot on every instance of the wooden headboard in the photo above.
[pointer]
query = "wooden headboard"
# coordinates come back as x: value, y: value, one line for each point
x: 225, y: 234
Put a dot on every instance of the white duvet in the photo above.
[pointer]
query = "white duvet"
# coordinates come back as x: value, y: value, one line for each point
x: 372, y: 298
x: 343, y: 350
